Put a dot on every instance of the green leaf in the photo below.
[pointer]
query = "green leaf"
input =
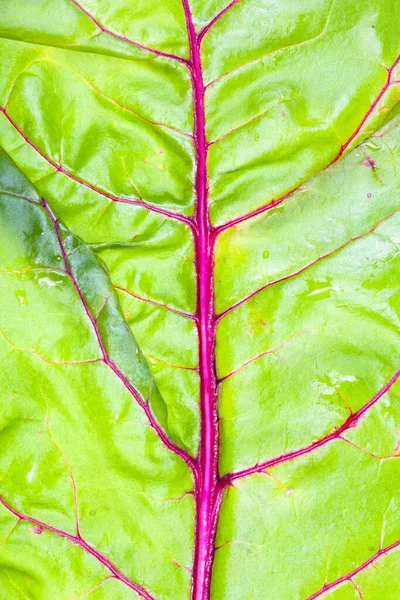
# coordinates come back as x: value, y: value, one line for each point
x: 200, y: 307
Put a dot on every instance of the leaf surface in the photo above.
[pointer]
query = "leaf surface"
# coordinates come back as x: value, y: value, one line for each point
x: 199, y: 332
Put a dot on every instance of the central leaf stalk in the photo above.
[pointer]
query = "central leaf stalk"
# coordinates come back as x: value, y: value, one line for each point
x: 207, y: 490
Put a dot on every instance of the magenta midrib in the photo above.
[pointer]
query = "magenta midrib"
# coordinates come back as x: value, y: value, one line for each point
x: 206, y: 492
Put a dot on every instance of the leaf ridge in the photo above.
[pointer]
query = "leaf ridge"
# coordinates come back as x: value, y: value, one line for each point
x: 79, y: 541
x: 72, y: 48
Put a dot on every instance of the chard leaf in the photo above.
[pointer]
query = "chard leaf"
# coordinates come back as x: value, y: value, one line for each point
x: 200, y: 309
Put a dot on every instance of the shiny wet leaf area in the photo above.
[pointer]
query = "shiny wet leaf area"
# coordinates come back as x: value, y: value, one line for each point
x: 200, y: 300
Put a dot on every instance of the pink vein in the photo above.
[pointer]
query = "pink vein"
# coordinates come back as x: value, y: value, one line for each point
x: 349, y: 577
x: 144, y: 405
x: 79, y: 541
x: 217, y: 17
x: 369, y: 111
x: 349, y: 423
x: 127, y: 40
x: 343, y: 148
x: 308, y: 266
x: 60, y: 169
x: 160, y: 304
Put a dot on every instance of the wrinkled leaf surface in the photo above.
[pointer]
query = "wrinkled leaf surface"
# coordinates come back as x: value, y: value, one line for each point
x: 200, y: 301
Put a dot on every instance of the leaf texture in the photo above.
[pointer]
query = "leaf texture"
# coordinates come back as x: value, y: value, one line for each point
x: 199, y: 333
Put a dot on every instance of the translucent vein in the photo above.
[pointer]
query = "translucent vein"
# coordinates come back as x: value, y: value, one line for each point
x: 255, y: 118
x: 48, y: 360
x: 94, y: 587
